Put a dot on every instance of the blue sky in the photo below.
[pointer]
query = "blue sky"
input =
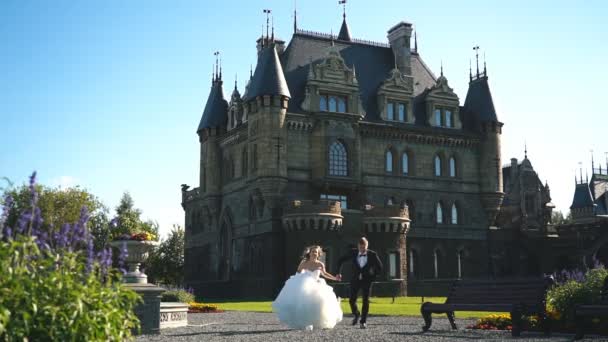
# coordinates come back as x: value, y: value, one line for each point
x: 108, y: 94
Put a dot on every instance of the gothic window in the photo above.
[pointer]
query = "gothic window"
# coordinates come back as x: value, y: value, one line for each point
x: 437, y: 165
x: 255, y: 157
x: 244, y: 162
x: 392, y: 265
x: 414, y: 263
x: 338, y: 159
x: 405, y: 166
x: 389, y: 161
x: 452, y: 167
x: 460, y: 257
x: 323, y: 103
x: 439, y: 213
x: 332, y: 103
x: 436, y: 262
x: 438, y: 117
x: 341, y: 198
x: 448, y: 118
x: 341, y: 105
x: 390, y: 111
x: 402, y: 112
x: 454, y: 214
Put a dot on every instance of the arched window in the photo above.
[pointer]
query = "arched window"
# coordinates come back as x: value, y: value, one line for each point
x: 389, y: 161
x: 452, y: 167
x: 454, y: 214
x: 323, y: 103
x: 438, y: 117
x: 333, y: 105
x: 244, y: 162
x: 413, y: 258
x: 390, y: 111
x: 448, y: 118
x: 439, y: 213
x: 460, y: 257
x: 436, y: 262
x: 405, y: 164
x: 341, y: 105
x: 338, y: 159
x: 437, y: 166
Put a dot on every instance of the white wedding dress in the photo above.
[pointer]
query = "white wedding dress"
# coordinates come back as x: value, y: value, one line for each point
x: 307, y: 302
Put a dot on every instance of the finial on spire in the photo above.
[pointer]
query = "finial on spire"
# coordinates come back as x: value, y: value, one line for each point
x: 592, y: 163
x: 267, y: 12
x: 580, y: 166
x: 220, y: 67
x: 525, y: 150
x: 416, y: 41
x: 476, y: 48
x: 235, y: 81
x: 485, y: 71
x: 606, y: 154
x: 295, y: 16
x: 217, y: 55
x: 442, y: 68
x: 272, y: 20
x: 343, y: 3
x: 250, y: 71
x: 212, y: 74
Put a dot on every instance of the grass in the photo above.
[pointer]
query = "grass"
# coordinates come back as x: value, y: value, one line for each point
x: 403, y: 306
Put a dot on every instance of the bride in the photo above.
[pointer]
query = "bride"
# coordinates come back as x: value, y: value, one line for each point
x: 306, y: 301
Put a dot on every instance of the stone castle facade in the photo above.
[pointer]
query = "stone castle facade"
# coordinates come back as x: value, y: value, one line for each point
x: 336, y: 138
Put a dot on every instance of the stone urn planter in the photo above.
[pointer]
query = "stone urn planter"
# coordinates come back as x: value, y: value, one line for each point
x: 137, y: 252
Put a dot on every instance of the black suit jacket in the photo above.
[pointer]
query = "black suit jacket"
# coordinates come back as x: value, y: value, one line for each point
x: 366, y: 274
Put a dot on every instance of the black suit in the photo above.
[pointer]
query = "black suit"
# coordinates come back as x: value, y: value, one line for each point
x: 361, y: 279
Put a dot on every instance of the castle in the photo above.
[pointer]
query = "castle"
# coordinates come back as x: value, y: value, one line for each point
x: 335, y: 138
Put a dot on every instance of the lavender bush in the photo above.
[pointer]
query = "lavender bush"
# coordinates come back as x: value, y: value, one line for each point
x: 55, y: 285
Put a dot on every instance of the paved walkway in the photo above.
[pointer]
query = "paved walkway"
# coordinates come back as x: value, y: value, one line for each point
x: 264, y: 327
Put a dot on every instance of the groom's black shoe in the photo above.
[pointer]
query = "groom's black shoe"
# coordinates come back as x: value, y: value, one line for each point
x: 356, y: 319
x: 364, y: 325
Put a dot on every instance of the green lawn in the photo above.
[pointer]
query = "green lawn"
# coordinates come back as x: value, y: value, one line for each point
x: 403, y: 306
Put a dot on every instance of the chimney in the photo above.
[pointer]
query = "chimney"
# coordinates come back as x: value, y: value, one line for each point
x: 399, y: 38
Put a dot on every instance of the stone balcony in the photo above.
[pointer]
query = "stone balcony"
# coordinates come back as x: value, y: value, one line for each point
x: 391, y: 219
x: 312, y: 215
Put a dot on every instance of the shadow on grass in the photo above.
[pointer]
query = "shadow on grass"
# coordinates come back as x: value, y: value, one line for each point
x: 229, y: 333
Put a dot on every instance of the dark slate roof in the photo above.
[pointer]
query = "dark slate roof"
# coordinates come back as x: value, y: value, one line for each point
x: 582, y: 197
x: 478, y: 103
x: 373, y: 64
x: 268, y: 78
x: 344, y: 32
x: 601, y: 205
x: 216, y: 109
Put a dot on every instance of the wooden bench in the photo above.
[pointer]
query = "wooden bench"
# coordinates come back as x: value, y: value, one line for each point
x: 516, y: 296
x: 583, y: 311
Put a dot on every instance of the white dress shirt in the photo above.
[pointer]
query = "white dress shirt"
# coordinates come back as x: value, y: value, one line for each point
x: 362, y: 260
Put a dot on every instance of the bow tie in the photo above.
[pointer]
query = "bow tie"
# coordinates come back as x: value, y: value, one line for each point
x: 363, y: 255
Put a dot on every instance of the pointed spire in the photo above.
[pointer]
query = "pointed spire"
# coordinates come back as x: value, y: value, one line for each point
x: 470, y: 71
x: 485, y: 71
x: 250, y: 72
x: 212, y: 74
x: 235, y: 81
x: 442, y: 68
x: 295, y: 16
x: 344, y: 31
x: 416, y: 41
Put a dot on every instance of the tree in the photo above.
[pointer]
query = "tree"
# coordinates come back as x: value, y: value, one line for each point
x: 128, y: 219
x: 166, y: 263
x: 59, y: 207
x: 557, y: 218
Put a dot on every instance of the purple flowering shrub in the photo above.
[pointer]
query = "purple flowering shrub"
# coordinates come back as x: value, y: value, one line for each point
x: 55, y: 286
x: 573, y: 288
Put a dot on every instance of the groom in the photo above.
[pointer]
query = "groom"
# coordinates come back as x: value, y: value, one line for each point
x: 366, y: 265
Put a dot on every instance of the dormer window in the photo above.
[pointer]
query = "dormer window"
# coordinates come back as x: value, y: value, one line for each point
x: 332, y: 103
x: 396, y: 111
x: 444, y: 118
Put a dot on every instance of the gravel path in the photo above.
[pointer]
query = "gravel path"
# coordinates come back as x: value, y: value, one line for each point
x: 251, y: 326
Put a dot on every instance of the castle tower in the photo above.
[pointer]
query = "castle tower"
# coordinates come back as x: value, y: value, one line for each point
x: 480, y: 107
x: 266, y: 106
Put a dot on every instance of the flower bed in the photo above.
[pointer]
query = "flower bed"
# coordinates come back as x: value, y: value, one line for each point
x: 195, y: 307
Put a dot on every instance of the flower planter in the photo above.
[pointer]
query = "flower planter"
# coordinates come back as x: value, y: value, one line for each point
x: 137, y: 252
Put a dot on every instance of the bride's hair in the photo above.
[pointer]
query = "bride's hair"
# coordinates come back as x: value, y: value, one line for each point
x: 308, y: 250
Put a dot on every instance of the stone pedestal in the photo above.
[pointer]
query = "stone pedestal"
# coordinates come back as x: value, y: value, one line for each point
x: 173, y: 315
x: 148, y: 312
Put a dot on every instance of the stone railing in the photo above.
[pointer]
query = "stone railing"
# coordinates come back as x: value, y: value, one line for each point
x: 317, y: 215
x: 391, y: 219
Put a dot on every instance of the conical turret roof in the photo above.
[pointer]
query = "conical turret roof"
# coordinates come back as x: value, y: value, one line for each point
x: 216, y: 109
x: 344, y: 32
x: 479, y: 100
x: 268, y: 78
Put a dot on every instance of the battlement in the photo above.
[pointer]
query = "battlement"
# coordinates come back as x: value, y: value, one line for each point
x: 391, y: 219
x: 312, y: 215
